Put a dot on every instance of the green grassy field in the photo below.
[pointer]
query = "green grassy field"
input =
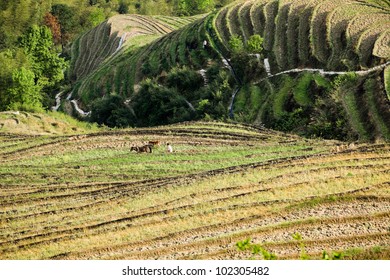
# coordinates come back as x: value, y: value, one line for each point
x: 88, y: 197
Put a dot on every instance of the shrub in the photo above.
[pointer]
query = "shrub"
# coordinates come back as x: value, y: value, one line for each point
x: 236, y: 44
x: 186, y: 81
x: 255, y: 44
x: 255, y: 249
x: 111, y: 111
x: 158, y: 105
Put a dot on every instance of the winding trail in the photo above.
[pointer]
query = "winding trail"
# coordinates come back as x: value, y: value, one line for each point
x: 331, y: 73
x: 236, y: 90
x: 314, y: 70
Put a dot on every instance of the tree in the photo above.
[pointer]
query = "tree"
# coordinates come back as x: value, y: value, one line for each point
x: 45, y: 63
x: 14, y: 19
x: 112, y: 112
x: 236, y: 44
x: 193, y: 7
x: 185, y: 81
x: 54, y: 25
x: 94, y: 16
x: 67, y: 17
x: 24, y: 94
x: 123, y: 8
x: 153, y: 7
x: 157, y: 105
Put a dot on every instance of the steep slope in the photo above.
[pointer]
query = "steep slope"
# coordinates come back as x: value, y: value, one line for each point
x: 329, y: 38
x: 100, y: 43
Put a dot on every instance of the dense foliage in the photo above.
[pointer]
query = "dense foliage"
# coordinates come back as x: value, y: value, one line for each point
x: 32, y: 33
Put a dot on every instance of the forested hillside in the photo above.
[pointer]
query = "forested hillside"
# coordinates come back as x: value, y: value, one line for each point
x: 316, y: 68
x: 312, y: 67
x: 33, y: 33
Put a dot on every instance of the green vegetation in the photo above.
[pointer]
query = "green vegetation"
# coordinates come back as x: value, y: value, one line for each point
x: 49, y: 123
x: 210, y: 65
x: 373, y: 253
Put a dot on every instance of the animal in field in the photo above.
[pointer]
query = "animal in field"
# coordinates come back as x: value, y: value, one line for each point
x: 154, y: 143
x: 142, y: 149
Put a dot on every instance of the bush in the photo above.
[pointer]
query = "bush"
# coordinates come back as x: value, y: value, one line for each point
x: 112, y: 111
x: 236, y: 44
x: 246, y: 67
x: 255, y: 44
x: 158, y: 105
x: 184, y: 80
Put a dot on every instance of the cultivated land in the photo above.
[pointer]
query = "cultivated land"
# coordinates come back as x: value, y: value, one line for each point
x: 87, y: 196
x: 71, y: 190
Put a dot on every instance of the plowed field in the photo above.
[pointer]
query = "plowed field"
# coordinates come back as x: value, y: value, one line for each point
x: 89, y: 197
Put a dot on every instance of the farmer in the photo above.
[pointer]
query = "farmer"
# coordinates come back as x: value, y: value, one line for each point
x: 169, y: 148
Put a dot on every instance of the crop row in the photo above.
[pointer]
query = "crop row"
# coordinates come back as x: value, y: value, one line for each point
x: 304, y: 50
x: 294, y: 15
x: 245, y: 21
x: 220, y: 26
x: 270, y: 186
x: 360, y: 23
x: 367, y: 40
x: 337, y: 24
x: 381, y: 48
x: 103, y: 41
x: 233, y: 21
x: 318, y: 28
x: 257, y: 17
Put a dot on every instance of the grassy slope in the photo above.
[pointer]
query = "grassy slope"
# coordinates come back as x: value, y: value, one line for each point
x: 88, y: 197
x: 52, y: 123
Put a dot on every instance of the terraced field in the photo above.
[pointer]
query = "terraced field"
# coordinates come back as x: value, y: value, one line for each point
x: 88, y: 197
x: 296, y: 34
x: 93, y: 48
x: 331, y: 35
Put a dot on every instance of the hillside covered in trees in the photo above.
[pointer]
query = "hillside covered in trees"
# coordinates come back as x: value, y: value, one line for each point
x: 33, y: 33
x: 316, y: 68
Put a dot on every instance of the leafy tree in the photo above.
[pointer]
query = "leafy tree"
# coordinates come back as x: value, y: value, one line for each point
x: 153, y: 7
x: 24, y: 93
x: 246, y: 67
x: 200, y: 6
x: 45, y: 63
x: 112, y: 112
x: 55, y: 27
x: 123, y: 8
x: 157, y: 105
x: 185, y: 81
x: 14, y: 19
x: 94, y: 16
x: 66, y: 15
x: 192, y: 7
